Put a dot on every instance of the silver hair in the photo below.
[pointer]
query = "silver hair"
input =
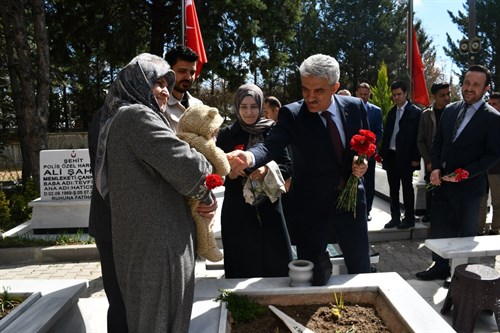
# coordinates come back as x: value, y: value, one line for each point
x: 323, y: 66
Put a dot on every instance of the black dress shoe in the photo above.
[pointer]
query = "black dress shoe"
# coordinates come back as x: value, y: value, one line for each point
x: 406, y: 225
x: 433, y: 273
x: 392, y: 223
x: 369, y: 217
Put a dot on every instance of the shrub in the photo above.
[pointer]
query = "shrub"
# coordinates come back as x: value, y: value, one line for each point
x: 5, y: 221
x: 14, y: 208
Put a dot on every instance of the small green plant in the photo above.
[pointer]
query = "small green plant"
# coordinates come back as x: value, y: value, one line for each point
x: 65, y: 239
x: 242, y: 308
x: 338, y: 306
x: 8, y: 302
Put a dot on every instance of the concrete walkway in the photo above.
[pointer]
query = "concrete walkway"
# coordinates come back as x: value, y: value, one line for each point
x: 405, y: 256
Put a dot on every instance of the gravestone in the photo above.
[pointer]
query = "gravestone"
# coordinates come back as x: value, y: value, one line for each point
x: 65, y: 190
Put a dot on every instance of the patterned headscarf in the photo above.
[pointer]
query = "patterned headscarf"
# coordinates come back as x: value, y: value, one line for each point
x: 133, y: 86
x: 262, y: 124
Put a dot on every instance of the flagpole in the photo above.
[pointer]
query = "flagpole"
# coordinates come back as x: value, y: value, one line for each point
x: 183, y: 19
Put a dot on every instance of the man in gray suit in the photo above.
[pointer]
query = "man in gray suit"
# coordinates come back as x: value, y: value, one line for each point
x: 322, y: 164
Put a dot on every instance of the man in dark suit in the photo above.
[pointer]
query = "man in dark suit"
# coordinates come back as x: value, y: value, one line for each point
x: 100, y: 229
x: 364, y: 92
x: 400, y: 155
x: 321, y: 167
x: 467, y: 137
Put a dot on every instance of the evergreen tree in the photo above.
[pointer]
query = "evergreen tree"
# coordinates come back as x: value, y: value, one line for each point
x: 381, y: 92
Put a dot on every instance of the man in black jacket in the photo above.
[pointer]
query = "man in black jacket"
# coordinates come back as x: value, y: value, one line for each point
x: 400, y: 155
x: 467, y: 137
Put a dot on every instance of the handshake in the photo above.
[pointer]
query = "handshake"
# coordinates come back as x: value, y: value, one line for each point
x: 239, y: 160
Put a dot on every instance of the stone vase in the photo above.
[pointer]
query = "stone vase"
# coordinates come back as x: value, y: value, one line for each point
x: 300, y: 273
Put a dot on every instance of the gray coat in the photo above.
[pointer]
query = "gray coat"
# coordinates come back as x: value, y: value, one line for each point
x: 150, y: 172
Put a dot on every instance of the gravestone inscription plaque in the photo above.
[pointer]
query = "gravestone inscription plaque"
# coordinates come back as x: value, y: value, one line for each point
x: 65, y: 175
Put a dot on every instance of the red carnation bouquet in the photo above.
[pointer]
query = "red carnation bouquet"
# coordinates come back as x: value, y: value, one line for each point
x: 213, y: 180
x: 364, y: 145
x: 459, y: 174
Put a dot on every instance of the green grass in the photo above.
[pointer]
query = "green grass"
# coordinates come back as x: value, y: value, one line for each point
x: 30, y: 241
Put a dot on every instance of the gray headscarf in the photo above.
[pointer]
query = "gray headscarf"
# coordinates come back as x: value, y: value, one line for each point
x: 133, y: 86
x: 262, y: 124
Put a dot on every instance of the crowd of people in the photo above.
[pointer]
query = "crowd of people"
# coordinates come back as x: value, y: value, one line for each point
x: 289, y: 165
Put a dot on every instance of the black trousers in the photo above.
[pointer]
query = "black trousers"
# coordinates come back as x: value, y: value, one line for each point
x: 454, y: 214
x: 117, y: 319
x: 428, y: 195
x: 397, y: 176
x: 351, y: 234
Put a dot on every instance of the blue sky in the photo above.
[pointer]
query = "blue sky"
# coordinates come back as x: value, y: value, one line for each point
x: 437, y: 22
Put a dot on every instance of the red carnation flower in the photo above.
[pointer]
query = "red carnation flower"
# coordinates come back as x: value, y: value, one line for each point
x: 364, y: 145
x: 239, y: 147
x: 459, y: 174
x: 212, y: 181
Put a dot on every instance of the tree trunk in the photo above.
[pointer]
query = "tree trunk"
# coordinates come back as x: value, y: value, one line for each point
x: 41, y: 111
x: 31, y: 105
x: 157, y: 27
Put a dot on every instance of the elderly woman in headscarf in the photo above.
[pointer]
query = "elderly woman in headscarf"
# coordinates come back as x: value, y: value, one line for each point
x: 145, y: 172
x: 254, y: 234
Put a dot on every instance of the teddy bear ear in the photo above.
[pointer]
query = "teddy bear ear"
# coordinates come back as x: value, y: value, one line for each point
x: 213, y: 112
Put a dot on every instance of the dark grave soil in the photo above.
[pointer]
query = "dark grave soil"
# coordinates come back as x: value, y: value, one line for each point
x: 319, y: 318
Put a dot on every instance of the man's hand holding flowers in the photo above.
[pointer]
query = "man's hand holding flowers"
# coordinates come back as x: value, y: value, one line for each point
x: 454, y: 177
x: 364, y: 144
x: 359, y: 167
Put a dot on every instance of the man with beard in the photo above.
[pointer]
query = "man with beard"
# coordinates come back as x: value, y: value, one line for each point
x: 468, y: 138
x: 183, y: 62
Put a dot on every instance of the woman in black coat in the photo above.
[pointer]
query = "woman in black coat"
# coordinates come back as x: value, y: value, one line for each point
x: 255, y: 238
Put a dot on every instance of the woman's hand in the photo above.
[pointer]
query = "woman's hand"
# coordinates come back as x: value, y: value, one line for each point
x: 236, y: 173
x: 259, y: 174
x: 207, y: 211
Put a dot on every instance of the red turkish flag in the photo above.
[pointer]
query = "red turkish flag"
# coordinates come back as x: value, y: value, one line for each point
x: 193, y: 35
x: 420, y: 92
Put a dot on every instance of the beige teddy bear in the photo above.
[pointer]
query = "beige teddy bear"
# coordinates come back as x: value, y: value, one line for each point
x: 198, y: 126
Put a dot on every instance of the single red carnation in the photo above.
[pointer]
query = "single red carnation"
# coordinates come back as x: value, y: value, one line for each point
x: 212, y: 181
x: 378, y: 158
x: 239, y: 147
